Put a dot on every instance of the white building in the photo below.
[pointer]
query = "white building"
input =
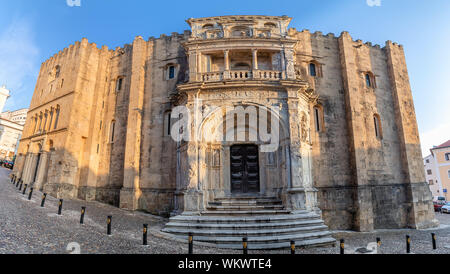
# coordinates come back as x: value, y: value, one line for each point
x: 10, y: 134
x: 18, y: 116
x: 4, y: 95
x: 430, y: 172
x: 11, y: 127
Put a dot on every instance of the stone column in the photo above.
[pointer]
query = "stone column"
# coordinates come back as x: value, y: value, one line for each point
x: 283, y: 64
x: 192, y: 58
x: 255, y: 59
x: 41, y: 171
x: 226, y: 57
x: 26, y: 167
x: 193, y: 195
x: 295, y: 194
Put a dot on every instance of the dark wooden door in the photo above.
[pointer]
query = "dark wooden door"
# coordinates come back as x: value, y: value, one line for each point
x: 244, y: 169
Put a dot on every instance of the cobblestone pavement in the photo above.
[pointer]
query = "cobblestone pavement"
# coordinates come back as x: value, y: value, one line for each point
x: 27, y: 228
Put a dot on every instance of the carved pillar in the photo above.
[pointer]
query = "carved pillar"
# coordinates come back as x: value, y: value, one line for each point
x: 289, y: 58
x: 193, y: 195
x: 283, y: 64
x: 300, y: 194
x: 42, y: 170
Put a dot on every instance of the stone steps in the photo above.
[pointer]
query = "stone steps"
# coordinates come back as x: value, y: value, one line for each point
x: 245, y: 207
x: 245, y: 202
x: 243, y: 219
x: 326, y: 241
x: 242, y: 232
x: 244, y: 212
x: 246, y: 226
x: 263, y: 220
x: 253, y: 240
x: 246, y: 198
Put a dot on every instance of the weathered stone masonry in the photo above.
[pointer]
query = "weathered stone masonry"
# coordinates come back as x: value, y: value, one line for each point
x: 97, y: 124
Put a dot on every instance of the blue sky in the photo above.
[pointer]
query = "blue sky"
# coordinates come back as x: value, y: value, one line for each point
x: 32, y: 31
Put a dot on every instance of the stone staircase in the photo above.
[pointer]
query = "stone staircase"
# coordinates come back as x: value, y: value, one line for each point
x: 264, y: 221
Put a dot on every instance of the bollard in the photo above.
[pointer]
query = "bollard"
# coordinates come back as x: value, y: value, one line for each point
x: 109, y: 220
x: 12, y: 178
x: 60, y: 203
x: 245, y: 245
x: 20, y: 186
x: 83, y: 211
x: 433, y: 237
x: 43, y: 199
x: 408, y: 244
x: 378, y: 242
x: 144, y: 236
x: 31, y: 193
x: 17, y: 183
x: 191, y: 243
x: 292, y: 247
x: 24, y: 189
x: 342, y: 246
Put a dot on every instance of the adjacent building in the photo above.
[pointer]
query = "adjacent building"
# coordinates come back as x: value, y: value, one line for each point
x: 18, y: 116
x: 437, y: 170
x: 11, y: 126
x: 101, y: 127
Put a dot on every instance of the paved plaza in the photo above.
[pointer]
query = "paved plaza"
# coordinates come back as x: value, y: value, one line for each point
x: 27, y: 228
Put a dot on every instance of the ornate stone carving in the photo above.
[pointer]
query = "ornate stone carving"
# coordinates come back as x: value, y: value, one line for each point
x: 303, y: 128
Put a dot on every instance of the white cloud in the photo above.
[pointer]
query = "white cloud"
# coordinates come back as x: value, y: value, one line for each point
x: 19, y: 62
x: 434, y: 137
x: 373, y: 3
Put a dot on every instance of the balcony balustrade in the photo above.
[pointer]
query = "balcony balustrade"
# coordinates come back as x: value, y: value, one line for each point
x: 269, y: 75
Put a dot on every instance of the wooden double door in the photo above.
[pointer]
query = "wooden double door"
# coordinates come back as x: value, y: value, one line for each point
x: 244, y: 169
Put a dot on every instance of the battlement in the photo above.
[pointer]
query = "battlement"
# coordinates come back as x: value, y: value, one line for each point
x: 358, y: 42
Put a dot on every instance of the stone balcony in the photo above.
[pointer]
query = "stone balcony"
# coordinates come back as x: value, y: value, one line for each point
x: 236, y: 75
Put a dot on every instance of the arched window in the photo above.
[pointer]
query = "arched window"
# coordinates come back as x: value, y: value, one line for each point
x: 167, y: 123
x: 40, y: 122
x: 119, y: 84
x: 312, y: 70
x: 171, y: 72
x: 318, y: 118
x: 51, y: 120
x: 35, y: 124
x: 370, y: 80
x: 57, y: 71
x: 377, y: 126
x: 112, y: 131
x: 56, y: 117
x: 45, y: 121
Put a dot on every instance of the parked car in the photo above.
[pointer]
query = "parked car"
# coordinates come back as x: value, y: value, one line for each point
x: 439, y: 203
x: 445, y: 208
x: 8, y: 164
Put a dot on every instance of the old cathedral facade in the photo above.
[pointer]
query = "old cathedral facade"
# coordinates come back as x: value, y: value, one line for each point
x: 348, y: 151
